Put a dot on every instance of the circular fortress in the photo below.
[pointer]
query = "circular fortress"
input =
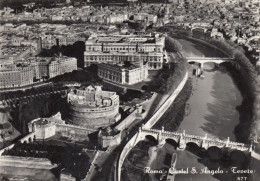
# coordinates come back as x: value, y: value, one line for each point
x: 92, y: 107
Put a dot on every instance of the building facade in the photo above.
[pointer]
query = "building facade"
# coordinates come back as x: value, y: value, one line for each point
x: 12, y: 75
x: 145, y: 17
x: 61, y: 66
x: 92, y: 107
x: 48, y: 41
x: 22, y: 73
x: 120, y: 48
x: 122, y: 74
x: 52, y: 67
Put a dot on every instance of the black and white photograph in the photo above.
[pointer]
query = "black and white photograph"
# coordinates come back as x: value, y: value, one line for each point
x: 129, y: 90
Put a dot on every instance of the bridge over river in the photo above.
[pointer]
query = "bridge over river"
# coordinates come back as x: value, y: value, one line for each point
x: 203, y: 60
x: 182, y: 139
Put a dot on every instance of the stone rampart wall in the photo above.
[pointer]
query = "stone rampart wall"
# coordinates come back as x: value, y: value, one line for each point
x: 110, y: 140
x: 127, y: 121
x: 95, y: 113
x: 92, y: 167
x: 81, y: 108
x: 74, y: 132
x: 94, y: 123
x: 27, y: 162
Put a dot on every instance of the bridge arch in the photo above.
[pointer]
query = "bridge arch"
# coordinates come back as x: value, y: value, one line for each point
x: 199, y: 62
x: 207, y: 65
x: 192, y: 62
x: 151, y: 138
x: 214, y: 62
x: 192, y: 143
x: 172, y: 142
x: 193, y: 147
x: 204, y: 60
x: 214, y: 152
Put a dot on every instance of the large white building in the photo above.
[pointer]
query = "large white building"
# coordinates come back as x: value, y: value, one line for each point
x: 120, y: 48
x: 116, y: 18
x: 123, y: 74
x: 23, y: 72
x: 151, y: 18
x: 51, y: 67
x: 15, y: 75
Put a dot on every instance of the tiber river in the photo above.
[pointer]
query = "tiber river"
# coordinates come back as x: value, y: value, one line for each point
x: 214, y: 99
x: 212, y: 111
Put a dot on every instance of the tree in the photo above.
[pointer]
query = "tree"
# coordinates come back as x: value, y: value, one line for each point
x: 172, y: 45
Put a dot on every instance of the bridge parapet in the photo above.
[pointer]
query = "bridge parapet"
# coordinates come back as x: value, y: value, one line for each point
x: 203, y: 60
x: 205, y: 141
x: 208, y: 58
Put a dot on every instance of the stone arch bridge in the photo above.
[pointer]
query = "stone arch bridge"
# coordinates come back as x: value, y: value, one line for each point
x: 182, y: 139
x: 203, y: 60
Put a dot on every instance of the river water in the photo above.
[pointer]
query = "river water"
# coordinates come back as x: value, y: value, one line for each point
x: 214, y: 99
x: 212, y: 111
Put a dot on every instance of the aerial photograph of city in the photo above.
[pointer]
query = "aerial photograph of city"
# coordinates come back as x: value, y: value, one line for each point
x: 129, y: 90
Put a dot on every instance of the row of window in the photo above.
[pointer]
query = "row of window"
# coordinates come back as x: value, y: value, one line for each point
x: 122, y: 58
x: 9, y: 81
x: 139, y: 49
x: 132, y: 78
x: 112, y: 78
x: 108, y: 73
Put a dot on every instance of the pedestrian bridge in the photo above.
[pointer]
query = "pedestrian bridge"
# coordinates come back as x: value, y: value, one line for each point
x: 203, y: 60
x: 182, y: 139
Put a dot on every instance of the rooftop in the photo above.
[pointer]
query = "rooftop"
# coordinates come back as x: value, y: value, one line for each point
x: 145, y: 39
x: 42, y: 121
x: 119, y: 66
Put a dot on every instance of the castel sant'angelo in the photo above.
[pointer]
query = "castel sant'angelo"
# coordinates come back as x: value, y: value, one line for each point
x: 92, y: 107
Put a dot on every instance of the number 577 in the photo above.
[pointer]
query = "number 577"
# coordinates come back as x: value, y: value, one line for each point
x: 241, y: 178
